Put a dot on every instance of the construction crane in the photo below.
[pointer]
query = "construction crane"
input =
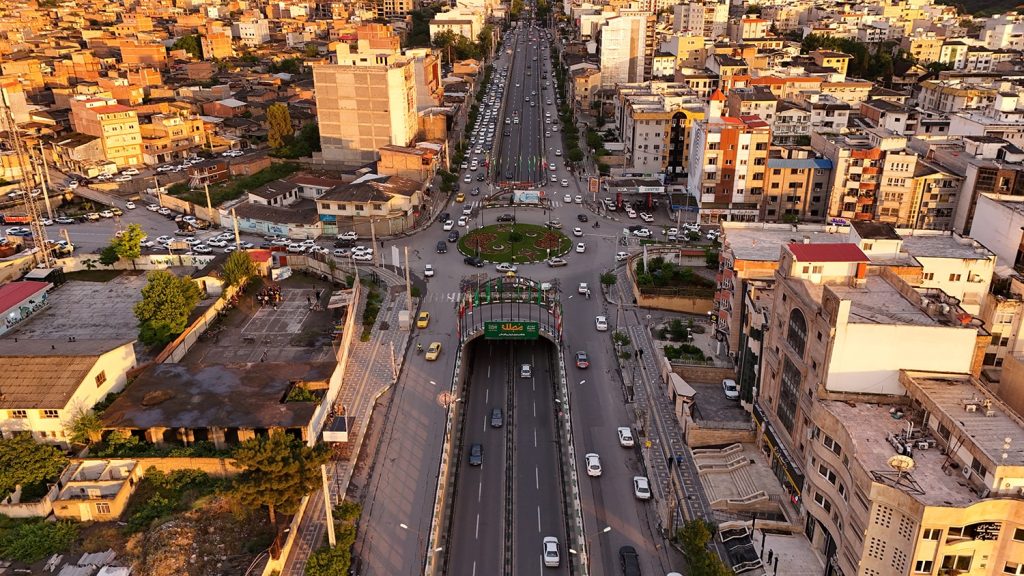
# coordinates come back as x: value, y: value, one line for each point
x: 43, y: 256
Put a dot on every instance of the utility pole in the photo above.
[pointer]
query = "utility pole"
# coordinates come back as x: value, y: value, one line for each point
x: 408, y: 283
x: 44, y: 182
x: 234, y: 225
x: 373, y: 244
x: 43, y: 255
x: 327, y: 505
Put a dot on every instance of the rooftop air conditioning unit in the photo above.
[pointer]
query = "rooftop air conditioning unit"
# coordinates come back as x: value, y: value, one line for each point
x: 970, y: 407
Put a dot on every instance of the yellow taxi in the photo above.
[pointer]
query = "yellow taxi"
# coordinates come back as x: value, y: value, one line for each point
x: 423, y: 319
x: 433, y: 351
x: 460, y: 197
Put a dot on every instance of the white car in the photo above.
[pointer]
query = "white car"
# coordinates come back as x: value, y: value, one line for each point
x: 463, y: 221
x: 129, y: 205
x: 551, y: 559
x: 642, y: 487
x: 152, y: 207
x: 130, y: 172
x: 107, y: 214
x: 642, y: 233
x: 730, y: 389
x: 362, y: 257
x: 565, y: 183
x: 342, y: 252
x: 567, y: 198
x: 281, y: 242
x: 672, y: 232
x: 626, y: 437
x: 558, y: 152
x: 554, y: 177
x: 601, y: 323
x: 583, y: 289
x: 506, y: 267
x: 428, y: 270
x: 348, y: 236
x: 217, y: 243
x: 202, y: 249
x: 448, y: 225
x: 581, y: 248
x: 164, y: 240
x: 593, y: 464
x: 577, y: 231
x: 468, y: 178
x: 123, y: 178
x: 362, y: 250
x: 46, y: 222
x: 467, y: 210
x: 578, y: 199
x: 620, y: 256
x: 526, y: 371
x: 646, y: 217
x: 297, y: 248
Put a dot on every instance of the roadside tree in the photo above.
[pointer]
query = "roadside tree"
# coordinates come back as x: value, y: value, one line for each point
x: 167, y: 301
x: 277, y: 472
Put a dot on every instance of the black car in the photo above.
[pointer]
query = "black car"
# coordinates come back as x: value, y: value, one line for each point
x: 582, y: 217
x: 497, y: 418
x: 453, y: 236
x: 480, y: 177
x: 444, y: 217
x: 343, y: 243
x: 474, y: 261
x: 476, y: 455
x: 442, y: 247
x: 474, y: 192
x: 630, y: 561
x: 508, y: 175
x: 506, y: 218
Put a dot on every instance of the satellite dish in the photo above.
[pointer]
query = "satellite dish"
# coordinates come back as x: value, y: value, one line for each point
x: 901, y: 463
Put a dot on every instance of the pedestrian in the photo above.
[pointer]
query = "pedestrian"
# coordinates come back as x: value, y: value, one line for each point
x: 770, y: 554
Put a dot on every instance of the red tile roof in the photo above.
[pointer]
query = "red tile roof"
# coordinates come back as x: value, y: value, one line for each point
x: 16, y: 292
x: 827, y: 252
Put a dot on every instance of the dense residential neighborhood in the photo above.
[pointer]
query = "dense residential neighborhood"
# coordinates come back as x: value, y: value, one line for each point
x: 307, y: 288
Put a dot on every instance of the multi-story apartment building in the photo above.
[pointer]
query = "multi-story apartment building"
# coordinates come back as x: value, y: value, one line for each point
x: 856, y: 171
x: 427, y: 67
x: 117, y: 126
x: 827, y: 113
x: 584, y: 82
x: 924, y: 47
x: 1003, y: 31
x: 795, y: 185
x: 953, y: 95
x: 656, y: 120
x: 706, y: 19
x: 216, y: 41
x: 388, y: 9
x: 252, y: 32
x: 623, y: 40
x: 934, y: 197
x: 752, y: 101
x: 728, y: 158
x: 171, y: 137
x: 365, y: 101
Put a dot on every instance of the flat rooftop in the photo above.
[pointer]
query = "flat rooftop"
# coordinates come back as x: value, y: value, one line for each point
x: 945, y: 246
x: 763, y: 242
x: 220, y: 395
x: 879, y: 302
x: 868, y: 426
x: 987, y: 427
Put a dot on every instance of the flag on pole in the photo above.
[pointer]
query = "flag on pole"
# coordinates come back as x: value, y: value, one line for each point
x: 488, y: 292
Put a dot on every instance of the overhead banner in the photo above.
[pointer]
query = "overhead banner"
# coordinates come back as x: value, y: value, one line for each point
x: 511, y: 330
x: 526, y: 196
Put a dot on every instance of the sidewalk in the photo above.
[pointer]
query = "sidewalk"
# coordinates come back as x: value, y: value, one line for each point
x: 369, y: 374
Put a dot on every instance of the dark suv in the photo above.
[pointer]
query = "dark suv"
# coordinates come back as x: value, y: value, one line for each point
x: 476, y: 456
x: 474, y: 261
x: 630, y: 561
x: 453, y: 236
x: 497, y: 419
x: 442, y: 247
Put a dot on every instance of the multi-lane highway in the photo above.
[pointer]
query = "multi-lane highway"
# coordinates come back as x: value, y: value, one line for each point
x: 520, y: 155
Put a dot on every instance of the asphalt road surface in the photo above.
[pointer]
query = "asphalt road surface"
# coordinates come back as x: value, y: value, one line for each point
x: 521, y: 159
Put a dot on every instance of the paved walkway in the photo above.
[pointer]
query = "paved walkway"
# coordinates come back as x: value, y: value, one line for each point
x: 371, y: 370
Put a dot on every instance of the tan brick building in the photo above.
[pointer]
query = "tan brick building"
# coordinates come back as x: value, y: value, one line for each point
x: 116, y: 125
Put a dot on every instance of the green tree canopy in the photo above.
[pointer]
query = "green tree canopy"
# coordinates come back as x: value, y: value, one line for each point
x: 167, y: 301
x: 277, y: 472
x: 191, y: 44
x: 238, y: 268
x: 108, y: 255
x: 280, y: 122
x: 694, y: 537
x: 129, y: 244
x: 24, y: 461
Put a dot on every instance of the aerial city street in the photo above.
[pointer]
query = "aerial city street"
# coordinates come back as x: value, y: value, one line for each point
x: 477, y: 288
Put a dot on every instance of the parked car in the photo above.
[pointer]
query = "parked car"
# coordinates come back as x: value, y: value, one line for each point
x: 630, y: 561
x: 730, y: 389
x: 641, y: 487
x: 625, y: 437
x: 601, y: 323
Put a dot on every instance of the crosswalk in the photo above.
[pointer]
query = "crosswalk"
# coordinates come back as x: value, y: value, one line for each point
x: 476, y: 204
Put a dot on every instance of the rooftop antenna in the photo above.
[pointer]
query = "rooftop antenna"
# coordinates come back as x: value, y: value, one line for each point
x: 901, y: 464
x: 43, y: 255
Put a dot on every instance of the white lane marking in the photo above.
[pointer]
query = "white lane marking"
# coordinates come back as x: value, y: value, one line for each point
x: 534, y: 437
x: 534, y: 408
x: 538, y: 519
x: 432, y: 383
x: 536, y: 476
x: 478, y: 524
x: 487, y: 394
x: 480, y: 491
x: 474, y: 567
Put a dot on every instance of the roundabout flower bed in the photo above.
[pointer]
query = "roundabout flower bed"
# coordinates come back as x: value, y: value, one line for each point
x: 515, y: 243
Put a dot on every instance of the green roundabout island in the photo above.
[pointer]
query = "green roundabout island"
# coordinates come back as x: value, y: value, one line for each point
x: 514, y: 243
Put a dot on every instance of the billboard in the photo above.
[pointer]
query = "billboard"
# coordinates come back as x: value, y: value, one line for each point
x: 595, y: 185
x: 511, y: 330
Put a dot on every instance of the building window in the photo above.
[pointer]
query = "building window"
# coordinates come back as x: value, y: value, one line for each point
x: 51, y: 413
x: 955, y: 562
x: 827, y: 473
x: 978, y: 467
x: 954, y: 277
x: 102, y: 508
x: 928, y: 276
x: 101, y: 378
x: 796, y: 335
x: 1018, y: 534
x: 822, y: 501
x: 923, y: 567
x: 1013, y: 568
x: 19, y: 413
x: 359, y: 207
x: 831, y: 444
x: 788, y: 395
x: 932, y: 533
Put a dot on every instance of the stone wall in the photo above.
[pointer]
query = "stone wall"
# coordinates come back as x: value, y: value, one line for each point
x: 216, y: 467
x: 707, y: 374
x: 697, y: 436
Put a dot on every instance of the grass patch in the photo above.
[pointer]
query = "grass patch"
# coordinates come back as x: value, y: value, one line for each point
x: 161, y: 495
x: 233, y: 189
x: 686, y: 353
x: 515, y: 243
x: 93, y: 275
x: 663, y: 275
x: 370, y: 312
x: 29, y: 540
